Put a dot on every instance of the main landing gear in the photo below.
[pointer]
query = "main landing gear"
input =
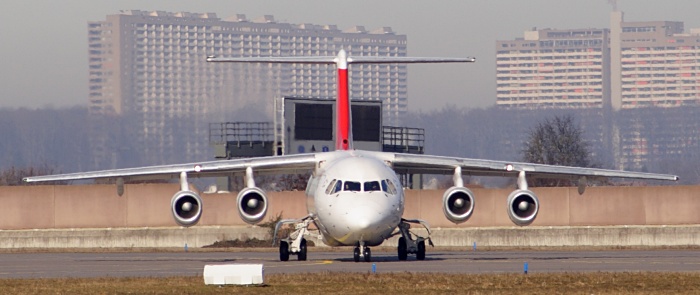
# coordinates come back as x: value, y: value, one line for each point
x: 407, y: 245
x: 362, y: 252
x: 295, y: 244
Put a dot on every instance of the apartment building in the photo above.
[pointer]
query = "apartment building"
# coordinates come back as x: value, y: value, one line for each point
x: 554, y: 69
x: 659, y: 65
x: 630, y: 65
x: 149, y: 67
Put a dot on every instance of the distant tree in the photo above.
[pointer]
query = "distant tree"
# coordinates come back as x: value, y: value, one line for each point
x: 557, y: 141
x: 293, y: 182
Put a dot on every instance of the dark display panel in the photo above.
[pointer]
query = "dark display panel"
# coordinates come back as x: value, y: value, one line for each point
x: 366, y: 122
x: 313, y: 121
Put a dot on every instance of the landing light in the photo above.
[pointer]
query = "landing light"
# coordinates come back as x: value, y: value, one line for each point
x: 198, y: 168
x: 509, y: 167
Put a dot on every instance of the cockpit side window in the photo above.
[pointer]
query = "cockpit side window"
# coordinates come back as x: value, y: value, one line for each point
x: 385, y: 187
x: 391, y: 187
x: 372, y: 186
x: 352, y: 186
x: 338, y: 187
x: 331, y: 186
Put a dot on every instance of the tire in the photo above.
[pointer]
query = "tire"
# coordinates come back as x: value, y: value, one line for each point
x: 420, y: 255
x: 403, y: 251
x: 284, y: 251
x: 302, y: 250
x: 356, y: 254
x: 368, y: 254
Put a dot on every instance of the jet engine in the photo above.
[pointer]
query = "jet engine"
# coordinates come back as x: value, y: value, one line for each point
x: 523, y: 207
x: 186, y: 208
x: 252, y: 204
x: 458, y: 204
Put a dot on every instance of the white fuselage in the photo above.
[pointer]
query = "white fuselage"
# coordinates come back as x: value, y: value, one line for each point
x: 355, y: 198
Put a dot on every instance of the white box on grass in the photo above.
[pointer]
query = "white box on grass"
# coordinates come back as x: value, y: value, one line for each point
x: 233, y: 274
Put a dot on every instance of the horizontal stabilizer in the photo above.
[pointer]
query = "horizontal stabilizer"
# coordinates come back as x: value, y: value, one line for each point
x: 406, y: 60
x: 335, y: 59
x: 278, y: 59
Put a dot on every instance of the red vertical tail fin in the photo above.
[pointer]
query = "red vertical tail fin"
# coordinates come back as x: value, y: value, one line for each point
x: 343, y: 116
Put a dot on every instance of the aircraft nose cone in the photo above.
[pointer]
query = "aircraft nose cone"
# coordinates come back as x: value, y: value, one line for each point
x: 362, y: 224
x: 362, y: 219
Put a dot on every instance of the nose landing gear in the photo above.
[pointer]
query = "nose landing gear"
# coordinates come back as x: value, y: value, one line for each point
x: 362, y: 252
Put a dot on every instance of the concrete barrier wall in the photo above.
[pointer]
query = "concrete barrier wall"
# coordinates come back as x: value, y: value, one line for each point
x: 163, y: 237
x: 199, y: 236
x: 148, y: 205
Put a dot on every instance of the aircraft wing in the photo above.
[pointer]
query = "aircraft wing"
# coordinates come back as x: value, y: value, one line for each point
x: 427, y: 164
x: 272, y: 164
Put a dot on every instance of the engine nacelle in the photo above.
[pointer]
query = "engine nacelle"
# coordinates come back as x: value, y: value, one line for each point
x: 186, y: 208
x: 523, y: 206
x: 252, y: 204
x: 458, y: 204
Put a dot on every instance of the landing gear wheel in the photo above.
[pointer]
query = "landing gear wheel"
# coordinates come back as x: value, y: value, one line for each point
x: 284, y: 251
x: 356, y: 254
x: 403, y: 252
x: 302, y: 250
x: 420, y: 255
x: 368, y: 254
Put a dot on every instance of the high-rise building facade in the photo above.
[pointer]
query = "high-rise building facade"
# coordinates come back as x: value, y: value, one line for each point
x: 632, y: 64
x: 659, y: 65
x: 554, y: 69
x: 149, y: 67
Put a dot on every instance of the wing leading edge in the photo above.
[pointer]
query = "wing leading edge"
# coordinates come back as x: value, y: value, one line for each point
x: 272, y: 164
x: 422, y: 164
x: 402, y: 163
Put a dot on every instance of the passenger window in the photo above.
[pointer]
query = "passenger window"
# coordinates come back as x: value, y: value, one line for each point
x: 371, y: 186
x: 352, y: 186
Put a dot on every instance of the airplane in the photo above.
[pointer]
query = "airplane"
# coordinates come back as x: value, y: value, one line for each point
x: 354, y: 197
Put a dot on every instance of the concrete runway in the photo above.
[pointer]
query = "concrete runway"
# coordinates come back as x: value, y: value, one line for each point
x: 62, y: 265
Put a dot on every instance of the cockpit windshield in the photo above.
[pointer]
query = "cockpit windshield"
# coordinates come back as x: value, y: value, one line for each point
x: 371, y: 186
x: 352, y: 186
x: 384, y: 185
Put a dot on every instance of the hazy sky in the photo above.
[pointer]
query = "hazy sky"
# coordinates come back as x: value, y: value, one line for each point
x: 44, y: 43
